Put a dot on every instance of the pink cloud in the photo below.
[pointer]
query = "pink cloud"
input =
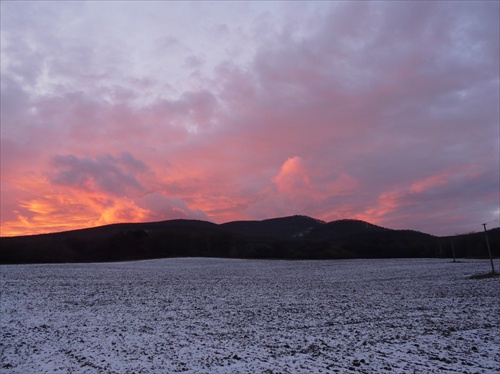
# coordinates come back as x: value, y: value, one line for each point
x: 292, y: 178
x: 296, y: 179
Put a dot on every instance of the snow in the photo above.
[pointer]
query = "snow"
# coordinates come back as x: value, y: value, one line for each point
x: 200, y: 315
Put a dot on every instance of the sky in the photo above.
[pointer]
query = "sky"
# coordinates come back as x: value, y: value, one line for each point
x: 141, y: 111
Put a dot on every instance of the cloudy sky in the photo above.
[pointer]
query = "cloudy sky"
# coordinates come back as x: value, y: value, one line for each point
x: 145, y: 111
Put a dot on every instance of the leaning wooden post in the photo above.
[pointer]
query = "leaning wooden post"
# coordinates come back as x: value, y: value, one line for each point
x: 489, y: 250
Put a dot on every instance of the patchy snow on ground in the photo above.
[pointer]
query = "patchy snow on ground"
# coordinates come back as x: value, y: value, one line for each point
x: 202, y: 315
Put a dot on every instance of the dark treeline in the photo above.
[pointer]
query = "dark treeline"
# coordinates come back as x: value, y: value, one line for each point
x: 296, y: 237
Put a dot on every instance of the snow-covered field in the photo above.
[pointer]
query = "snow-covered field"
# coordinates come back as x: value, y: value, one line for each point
x: 241, y: 316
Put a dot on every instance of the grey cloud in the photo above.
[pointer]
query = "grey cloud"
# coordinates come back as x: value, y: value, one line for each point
x: 131, y: 163
x: 105, y: 173
x: 193, y: 108
x: 161, y: 208
x: 463, y: 203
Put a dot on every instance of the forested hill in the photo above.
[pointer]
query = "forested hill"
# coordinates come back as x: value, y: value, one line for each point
x: 296, y: 237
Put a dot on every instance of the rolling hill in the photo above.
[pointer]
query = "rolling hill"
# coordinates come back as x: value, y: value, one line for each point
x: 295, y: 237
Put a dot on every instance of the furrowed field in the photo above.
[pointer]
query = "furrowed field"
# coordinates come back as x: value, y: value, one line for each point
x: 203, y: 315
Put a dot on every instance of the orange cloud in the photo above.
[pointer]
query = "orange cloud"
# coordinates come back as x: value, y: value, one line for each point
x: 57, y: 207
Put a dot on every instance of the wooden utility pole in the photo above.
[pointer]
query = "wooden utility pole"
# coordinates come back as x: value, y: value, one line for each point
x: 489, y: 250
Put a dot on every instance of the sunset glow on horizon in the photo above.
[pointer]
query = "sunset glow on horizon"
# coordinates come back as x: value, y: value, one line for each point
x: 141, y: 111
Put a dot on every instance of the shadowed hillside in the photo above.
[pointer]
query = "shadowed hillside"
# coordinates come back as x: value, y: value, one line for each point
x: 296, y: 237
x: 277, y: 228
